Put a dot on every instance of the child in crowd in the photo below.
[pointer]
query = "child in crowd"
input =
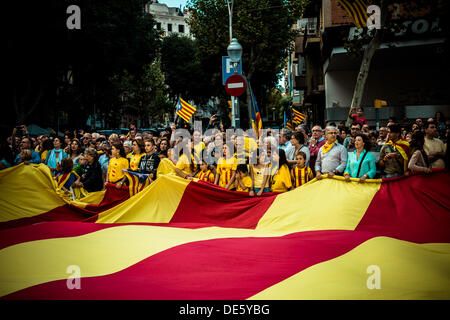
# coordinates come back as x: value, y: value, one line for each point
x: 243, y: 180
x: 66, y: 177
x: 117, y: 164
x: 226, y: 169
x: 205, y: 173
x: 25, y: 156
x: 82, y: 161
x: 301, y: 173
x: 260, y: 175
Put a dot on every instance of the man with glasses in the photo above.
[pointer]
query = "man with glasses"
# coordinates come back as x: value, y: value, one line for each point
x: 349, y: 142
x: 332, y: 157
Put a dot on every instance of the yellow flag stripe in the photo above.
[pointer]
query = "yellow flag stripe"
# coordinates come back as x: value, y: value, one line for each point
x: 317, y: 213
x: 406, y: 270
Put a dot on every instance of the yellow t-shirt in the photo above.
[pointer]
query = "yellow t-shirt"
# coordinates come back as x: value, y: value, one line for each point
x: 249, y: 145
x: 198, y: 148
x: 258, y: 177
x: 44, y: 156
x: 184, y: 165
x: 134, y: 161
x: 247, y: 182
x: 115, y: 169
x: 281, y: 181
x: 225, y: 170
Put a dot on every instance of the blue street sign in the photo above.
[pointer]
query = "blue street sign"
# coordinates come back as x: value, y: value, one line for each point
x: 227, y: 68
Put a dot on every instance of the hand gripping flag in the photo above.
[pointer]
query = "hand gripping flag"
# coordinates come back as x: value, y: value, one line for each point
x: 137, y: 181
x: 185, y: 110
x: 256, y: 115
x: 356, y: 9
x: 298, y: 116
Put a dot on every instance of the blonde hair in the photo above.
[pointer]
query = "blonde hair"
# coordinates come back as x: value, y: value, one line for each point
x: 25, y: 154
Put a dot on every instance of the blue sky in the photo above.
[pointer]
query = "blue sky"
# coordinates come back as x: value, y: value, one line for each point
x: 174, y: 3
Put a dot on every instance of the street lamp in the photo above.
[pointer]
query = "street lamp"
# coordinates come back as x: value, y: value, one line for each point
x: 235, y: 53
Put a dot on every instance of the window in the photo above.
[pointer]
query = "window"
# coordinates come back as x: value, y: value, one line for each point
x: 169, y: 27
x: 181, y: 28
x: 158, y: 26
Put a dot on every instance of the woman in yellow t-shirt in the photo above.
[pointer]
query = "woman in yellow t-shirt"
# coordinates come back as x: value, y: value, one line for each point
x: 260, y: 175
x: 138, y: 151
x: 226, y: 169
x: 186, y: 167
x: 243, y: 180
x: 117, y: 164
x: 280, y: 177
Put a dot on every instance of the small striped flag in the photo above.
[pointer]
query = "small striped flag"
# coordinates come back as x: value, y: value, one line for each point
x: 287, y: 122
x: 357, y: 10
x: 257, y: 124
x: 185, y: 110
x: 298, y: 116
x: 137, y: 181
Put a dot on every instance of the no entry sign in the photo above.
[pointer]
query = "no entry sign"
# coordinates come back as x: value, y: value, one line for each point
x: 235, y: 85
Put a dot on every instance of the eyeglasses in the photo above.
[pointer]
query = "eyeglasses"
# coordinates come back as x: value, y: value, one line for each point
x: 332, y: 133
x: 316, y: 130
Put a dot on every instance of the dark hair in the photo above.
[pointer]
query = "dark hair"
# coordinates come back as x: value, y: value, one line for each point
x: 242, y: 168
x: 119, y: 146
x: 79, y: 147
x: 365, y: 140
x: 283, y: 159
x: 362, y: 109
x: 427, y: 124
x: 301, y: 153
x: 149, y: 140
x: 66, y: 165
x: 357, y: 124
x: 140, y: 144
x: 299, y: 137
x: 417, y: 142
x: 47, y: 145
x: 395, y: 127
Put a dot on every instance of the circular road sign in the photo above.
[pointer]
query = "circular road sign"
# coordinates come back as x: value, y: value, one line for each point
x: 235, y: 85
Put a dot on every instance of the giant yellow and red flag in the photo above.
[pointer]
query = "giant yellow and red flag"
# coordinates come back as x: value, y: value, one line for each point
x: 180, y: 239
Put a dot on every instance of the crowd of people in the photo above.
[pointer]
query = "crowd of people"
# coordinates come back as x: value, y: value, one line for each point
x: 89, y: 161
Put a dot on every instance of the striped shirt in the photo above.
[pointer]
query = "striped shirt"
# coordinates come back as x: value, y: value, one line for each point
x: 301, y: 176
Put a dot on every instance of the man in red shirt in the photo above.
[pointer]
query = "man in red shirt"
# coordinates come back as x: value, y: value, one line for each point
x: 315, y: 143
x: 358, y: 117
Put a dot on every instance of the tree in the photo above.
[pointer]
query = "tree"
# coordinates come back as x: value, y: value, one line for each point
x: 147, y: 93
x: 393, y: 13
x: 182, y: 68
x: 42, y: 52
x: 262, y: 27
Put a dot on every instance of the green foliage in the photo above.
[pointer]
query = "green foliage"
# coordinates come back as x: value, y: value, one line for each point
x: 181, y: 65
x: 262, y: 27
x: 145, y: 93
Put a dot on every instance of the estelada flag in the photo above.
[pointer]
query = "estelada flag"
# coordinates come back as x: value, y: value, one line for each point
x: 257, y: 124
x: 298, y: 116
x: 357, y: 10
x: 137, y: 181
x: 185, y: 110
x: 187, y: 240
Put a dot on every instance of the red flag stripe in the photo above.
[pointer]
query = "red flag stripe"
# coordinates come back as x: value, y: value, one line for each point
x: 162, y: 276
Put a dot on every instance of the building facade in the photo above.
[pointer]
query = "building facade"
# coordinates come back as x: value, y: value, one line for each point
x: 407, y: 71
x: 169, y: 20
